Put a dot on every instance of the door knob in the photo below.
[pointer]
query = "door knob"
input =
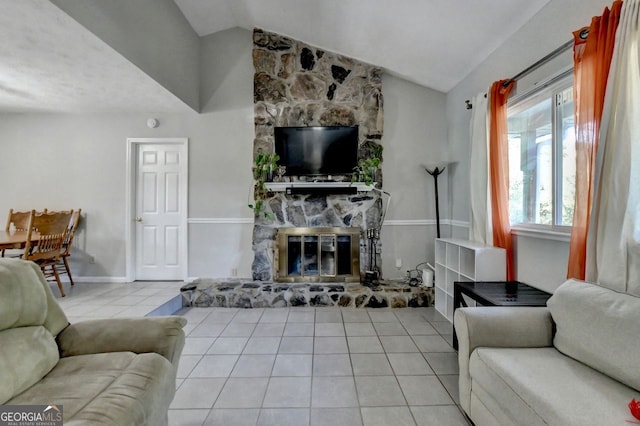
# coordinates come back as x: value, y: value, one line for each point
x: 138, y: 219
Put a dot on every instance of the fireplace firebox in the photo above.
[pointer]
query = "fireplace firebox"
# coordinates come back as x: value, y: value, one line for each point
x: 318, y: 255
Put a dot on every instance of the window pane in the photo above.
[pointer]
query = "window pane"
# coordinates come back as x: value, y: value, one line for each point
x: 530, y: 164
x: 544, y: 181
x: 542, y: 157
x: 567, y: 183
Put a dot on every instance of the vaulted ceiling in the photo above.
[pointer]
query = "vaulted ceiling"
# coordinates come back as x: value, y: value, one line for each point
x: 433, y: 43
x: 49, y: 62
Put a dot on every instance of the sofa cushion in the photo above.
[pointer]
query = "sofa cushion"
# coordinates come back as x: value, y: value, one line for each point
x: 27, y: 298
x: 540, y: 386
x: 23, y: 300
x: 598, y: 327
x: 118, y: 388
x: 27, y: 354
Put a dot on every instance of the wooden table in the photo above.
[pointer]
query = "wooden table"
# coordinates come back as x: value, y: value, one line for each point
x: 15, y: 239
x: 496, y: 293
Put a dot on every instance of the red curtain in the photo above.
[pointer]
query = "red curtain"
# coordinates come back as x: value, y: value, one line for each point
x: 592, y: 58
x: 499, y: 170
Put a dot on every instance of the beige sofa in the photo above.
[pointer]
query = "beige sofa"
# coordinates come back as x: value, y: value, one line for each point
x: 574, y: 362
x: 102, y: 372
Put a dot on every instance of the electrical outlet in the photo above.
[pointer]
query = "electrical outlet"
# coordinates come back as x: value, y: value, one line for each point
x: 234, y: 272
x: 92, y: 259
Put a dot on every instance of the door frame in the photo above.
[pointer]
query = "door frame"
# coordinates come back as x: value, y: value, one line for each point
x: 130, y: 202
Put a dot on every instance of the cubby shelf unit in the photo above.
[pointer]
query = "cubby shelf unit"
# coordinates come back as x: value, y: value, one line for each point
x: 462, y: 260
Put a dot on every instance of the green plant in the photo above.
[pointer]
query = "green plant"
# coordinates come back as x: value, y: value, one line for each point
x: 366, y: 170
x: 263, y: 169
x: 375, y: 150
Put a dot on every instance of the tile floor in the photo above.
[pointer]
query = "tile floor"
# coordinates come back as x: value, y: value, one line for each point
x: 85, y: 301
x: 297, y: 366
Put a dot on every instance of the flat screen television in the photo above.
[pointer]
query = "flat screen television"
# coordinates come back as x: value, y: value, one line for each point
x: 311, y: 151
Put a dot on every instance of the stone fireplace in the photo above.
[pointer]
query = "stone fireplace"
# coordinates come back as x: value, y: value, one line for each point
x: 355, y: 213
x: 300, y: 85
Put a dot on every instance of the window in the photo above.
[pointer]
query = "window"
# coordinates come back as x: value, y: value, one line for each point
x: 542, y: 157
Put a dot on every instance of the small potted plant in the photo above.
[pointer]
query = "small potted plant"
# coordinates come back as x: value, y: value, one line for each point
x: 366, y: 170
x: 264, y: 166
x: 263, y: 169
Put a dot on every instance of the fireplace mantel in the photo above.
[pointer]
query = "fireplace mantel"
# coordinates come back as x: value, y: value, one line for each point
x: 285, y: 186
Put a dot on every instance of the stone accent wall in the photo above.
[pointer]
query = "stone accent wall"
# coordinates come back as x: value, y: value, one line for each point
x: 300, y: 85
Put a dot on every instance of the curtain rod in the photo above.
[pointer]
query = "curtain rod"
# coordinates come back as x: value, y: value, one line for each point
x: 532, y: 67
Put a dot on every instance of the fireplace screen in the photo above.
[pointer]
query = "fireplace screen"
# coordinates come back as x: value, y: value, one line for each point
x: 318, y: 254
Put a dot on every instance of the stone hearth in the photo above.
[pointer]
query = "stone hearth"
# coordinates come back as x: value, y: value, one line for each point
x: 239, y: 293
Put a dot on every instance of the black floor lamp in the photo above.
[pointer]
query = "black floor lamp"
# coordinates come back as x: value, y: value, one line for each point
x: 435, y: 172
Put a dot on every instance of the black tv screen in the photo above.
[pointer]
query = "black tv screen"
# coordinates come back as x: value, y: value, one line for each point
x: 308, y: 151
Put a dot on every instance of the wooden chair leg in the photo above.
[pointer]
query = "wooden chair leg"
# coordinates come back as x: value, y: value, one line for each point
x: 55, y: 274
x: 66, y: 266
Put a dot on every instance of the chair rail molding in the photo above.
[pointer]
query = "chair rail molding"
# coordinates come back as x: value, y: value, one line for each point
x: 220, y: 220
x: 388, y: 222
x: 424, y: 222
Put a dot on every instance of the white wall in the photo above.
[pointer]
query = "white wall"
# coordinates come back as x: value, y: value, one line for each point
x: 538, y: 262
x: 79, y: 161
x: 415, y: 135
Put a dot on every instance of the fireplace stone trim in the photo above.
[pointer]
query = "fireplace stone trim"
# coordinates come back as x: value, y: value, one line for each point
x: 361, y: 211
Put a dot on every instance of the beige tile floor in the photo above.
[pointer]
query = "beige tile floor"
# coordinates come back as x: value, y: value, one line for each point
x: 297, y: 366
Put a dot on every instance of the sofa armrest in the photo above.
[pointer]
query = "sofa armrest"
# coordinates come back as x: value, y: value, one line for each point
x: 162, y: 335
x: 498, y: 327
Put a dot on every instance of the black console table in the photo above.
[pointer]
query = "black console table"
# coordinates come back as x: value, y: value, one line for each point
x: 496, y: 293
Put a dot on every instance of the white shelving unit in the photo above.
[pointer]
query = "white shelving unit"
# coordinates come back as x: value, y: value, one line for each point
x: 462, y: 260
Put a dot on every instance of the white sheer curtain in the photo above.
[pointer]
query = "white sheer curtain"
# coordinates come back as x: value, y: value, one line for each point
x: 613, y: 243
x: 480, y: 228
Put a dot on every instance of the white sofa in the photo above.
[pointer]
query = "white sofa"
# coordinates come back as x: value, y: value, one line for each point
x: 574, y: 362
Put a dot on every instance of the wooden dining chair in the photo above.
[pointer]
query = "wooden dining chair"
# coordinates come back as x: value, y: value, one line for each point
x: 18, y: 221
x: 63, y: 263
x: 52, y: 229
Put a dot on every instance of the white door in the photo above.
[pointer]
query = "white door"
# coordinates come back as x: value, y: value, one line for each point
x: 160, y: 211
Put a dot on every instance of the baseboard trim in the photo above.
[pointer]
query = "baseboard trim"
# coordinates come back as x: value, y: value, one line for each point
x: 92, y: 279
